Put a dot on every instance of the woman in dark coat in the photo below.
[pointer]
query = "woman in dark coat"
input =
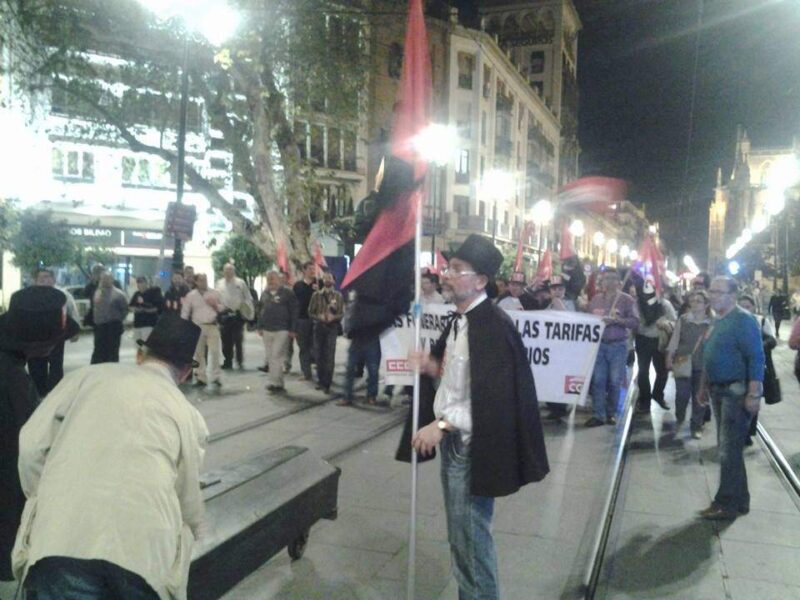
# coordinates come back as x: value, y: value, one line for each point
x: 34, y: 324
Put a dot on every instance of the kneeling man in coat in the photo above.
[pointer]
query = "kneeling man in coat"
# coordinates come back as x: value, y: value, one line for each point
x: 485, y: 415
x: 110, y: 465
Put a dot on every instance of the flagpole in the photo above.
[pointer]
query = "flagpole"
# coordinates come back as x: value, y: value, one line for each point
x: 412, y: 534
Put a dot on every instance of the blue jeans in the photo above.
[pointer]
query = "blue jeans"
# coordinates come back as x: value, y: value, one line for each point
x: 609, y: 369
x: 733, y: 423
x: 469, y: 525
x: 367, y: 351
x: 62, y: 578
x: 686, y: 388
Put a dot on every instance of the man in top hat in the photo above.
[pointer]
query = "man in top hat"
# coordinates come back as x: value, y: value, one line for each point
x: 110, y: 464
x: 35, y: 323
x: 485, y: 416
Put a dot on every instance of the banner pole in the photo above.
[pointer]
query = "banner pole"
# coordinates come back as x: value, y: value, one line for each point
x: 412, y: 533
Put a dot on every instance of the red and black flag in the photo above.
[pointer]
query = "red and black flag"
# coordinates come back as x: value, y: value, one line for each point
x: 382, y: 273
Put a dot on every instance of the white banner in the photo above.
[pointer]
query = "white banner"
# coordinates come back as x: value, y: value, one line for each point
x: 561, y: 346
x: 398, y: 341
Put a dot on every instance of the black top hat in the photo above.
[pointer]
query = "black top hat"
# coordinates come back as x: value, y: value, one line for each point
x: 481, y: 253
x: 173, y: 340
x: 36, y: 319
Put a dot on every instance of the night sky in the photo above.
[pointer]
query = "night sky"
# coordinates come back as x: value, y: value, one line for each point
x: 635, y: 73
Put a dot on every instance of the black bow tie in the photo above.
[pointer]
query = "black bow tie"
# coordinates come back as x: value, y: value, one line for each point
x: 454, y: 317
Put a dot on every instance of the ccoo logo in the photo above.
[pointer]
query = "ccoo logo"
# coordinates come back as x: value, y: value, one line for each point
x: 573, y: 385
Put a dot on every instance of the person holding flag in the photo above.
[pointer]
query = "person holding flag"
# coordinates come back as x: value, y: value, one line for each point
x: 486, y: 423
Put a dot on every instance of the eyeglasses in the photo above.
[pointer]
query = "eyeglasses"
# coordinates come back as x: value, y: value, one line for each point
x: 448, y: 272
x: 718, y: 292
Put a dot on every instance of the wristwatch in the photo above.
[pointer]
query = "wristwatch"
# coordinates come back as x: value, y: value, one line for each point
x: 442, y: 425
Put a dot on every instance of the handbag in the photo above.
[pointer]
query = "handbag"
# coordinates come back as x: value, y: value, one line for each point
x: 772, y: 385
x: 682, y: 365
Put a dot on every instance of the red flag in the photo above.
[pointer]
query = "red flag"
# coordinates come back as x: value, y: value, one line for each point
x: 523, y: 237
x: 281, y: 259
x: 319, y: 260
x: 382, y: 273
x: 566, y: 249
x: 651, y: 262
x: 545, y: 269
x: 395, y: 225
x: 593, y: 193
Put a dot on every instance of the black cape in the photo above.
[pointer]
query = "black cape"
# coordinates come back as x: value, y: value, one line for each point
x: 507, y: 447
x: 18, y: 400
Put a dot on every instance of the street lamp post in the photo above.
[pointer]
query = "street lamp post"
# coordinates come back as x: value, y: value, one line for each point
x: 216, y: 23
x: 436, y: 144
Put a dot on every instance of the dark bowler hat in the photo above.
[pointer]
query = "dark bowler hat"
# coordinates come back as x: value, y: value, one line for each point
x: 36, y: 319
x: 481, y: 253
x: 173, y: 340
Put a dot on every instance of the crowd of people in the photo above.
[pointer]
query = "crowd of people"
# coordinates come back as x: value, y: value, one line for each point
x: 479, y: 405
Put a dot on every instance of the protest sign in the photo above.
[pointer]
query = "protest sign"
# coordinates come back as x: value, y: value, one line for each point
x: 398, y: 341
x: 561, y: 348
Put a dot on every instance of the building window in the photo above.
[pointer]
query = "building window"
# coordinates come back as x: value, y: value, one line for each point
x: 334, y: 148
x: 394, y: 61
x: 538, y: 87
x: 317, y: 145
x: 466, y: 65
x: 301, y: 139
x: 462, y: 167
x: 487, y: 82
x: 144, y: 172
x: 483, y: 166
x: 536, y: 62
x: 72, y: 164
x: 461, y: 205
x: 482, y: 208
x: 483, y: 127
x: 349, y: 151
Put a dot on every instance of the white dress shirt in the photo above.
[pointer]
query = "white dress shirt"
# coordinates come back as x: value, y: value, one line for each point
x: 110, y: 465
x: 235, y: 294
x: 199, y: 307
x: 454, y: 397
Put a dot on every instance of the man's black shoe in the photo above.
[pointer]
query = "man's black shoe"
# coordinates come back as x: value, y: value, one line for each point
x: 264, y: 369
x: 611, y: 421
x: 217, y: 383
x: 661, y: 403
x: 593, y: 422
x: 552, y: 417
x: 276, y: 388
x: 199, y: 383
x: 226, y: 366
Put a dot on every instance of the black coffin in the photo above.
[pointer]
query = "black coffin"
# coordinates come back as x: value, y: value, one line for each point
x: 256, y: 508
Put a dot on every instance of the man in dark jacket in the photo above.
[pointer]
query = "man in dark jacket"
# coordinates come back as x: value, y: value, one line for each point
x: 35, y: 322
x: 486, y: 415
x: 277, y: 324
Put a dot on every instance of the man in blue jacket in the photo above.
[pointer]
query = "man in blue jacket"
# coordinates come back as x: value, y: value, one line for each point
x: 733, y: 372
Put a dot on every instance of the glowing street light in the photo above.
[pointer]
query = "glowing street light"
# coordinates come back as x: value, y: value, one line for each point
x: 759, y: 225
x: 576, y: 228
x: 212, y: 19
x: 437, y: 143
x: 690, y: 264
x: 634, y: 255
x: 734, y: 267
x: 542, y: 212
x: 625, y: 251
x: 598, y: 238
x: 612, y: 245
